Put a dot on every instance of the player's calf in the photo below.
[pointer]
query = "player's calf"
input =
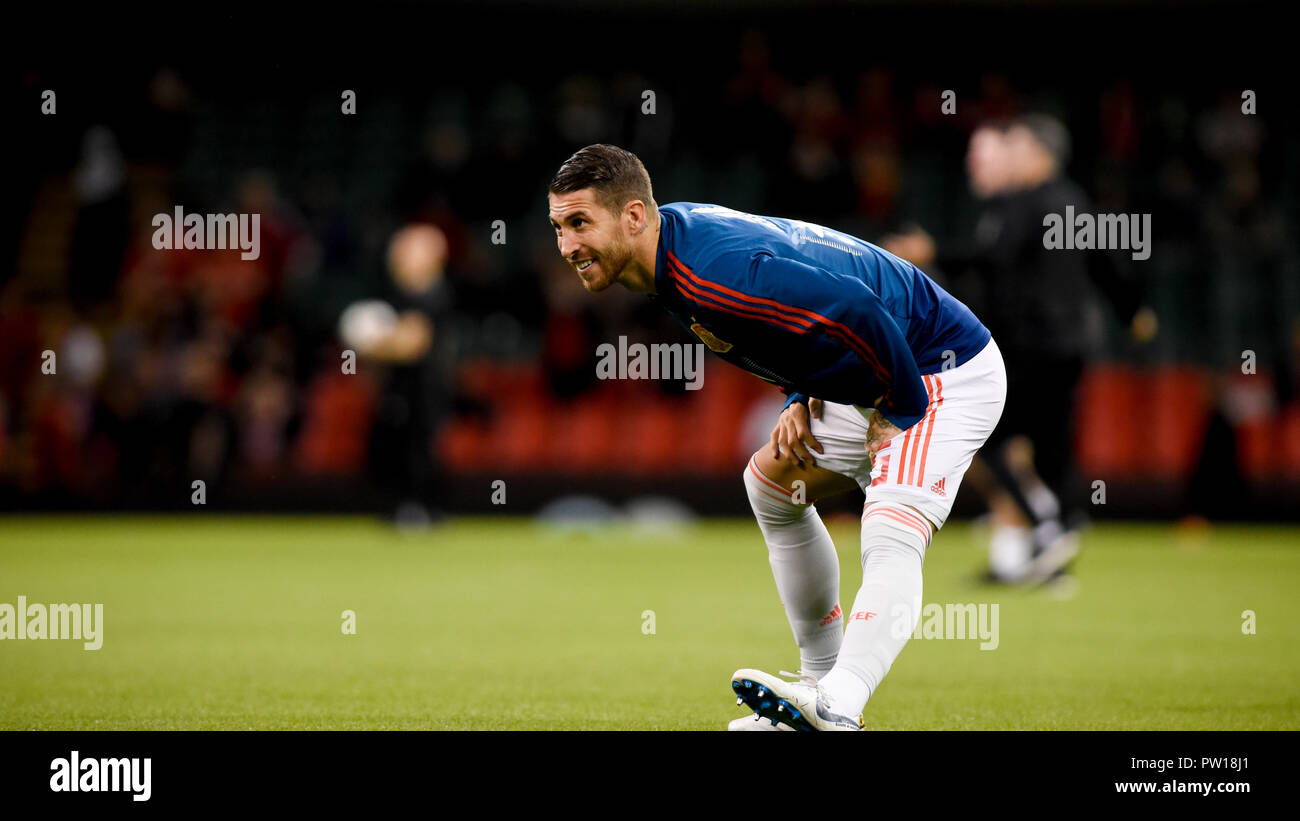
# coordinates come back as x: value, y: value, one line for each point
x: 886, y: 609
x: 802, y: 556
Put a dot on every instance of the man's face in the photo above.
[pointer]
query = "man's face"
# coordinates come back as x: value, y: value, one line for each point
x: 596, y: 242
x: 1028, y: 161
x: 987, y: 162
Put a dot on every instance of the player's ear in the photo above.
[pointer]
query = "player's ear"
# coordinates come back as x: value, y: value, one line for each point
x: 634, y: 212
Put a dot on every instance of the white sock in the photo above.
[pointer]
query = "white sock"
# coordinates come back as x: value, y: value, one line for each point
x: 1010, y: 550
x: 805, y: 567
x: 1048, y: 510
x: 886, y: 609
x: 1042, y: 500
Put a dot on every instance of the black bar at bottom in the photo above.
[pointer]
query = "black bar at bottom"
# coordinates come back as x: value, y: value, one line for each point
x: 486, y: 772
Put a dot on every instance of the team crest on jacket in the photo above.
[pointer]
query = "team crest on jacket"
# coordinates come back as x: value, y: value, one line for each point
x: 716, y: 345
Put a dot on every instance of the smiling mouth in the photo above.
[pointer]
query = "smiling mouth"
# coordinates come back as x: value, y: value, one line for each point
x: 585, y: 264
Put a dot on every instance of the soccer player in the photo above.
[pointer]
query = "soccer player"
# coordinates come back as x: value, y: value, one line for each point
x: 892, y: 387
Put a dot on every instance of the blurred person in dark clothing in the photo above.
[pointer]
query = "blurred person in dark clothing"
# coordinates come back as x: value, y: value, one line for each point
x: 102, y: 227
x: 1245, y: 240
x: 416, y: 390
x: 1041, y: 305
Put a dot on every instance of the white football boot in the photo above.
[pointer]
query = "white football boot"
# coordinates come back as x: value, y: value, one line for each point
x: 1054, y: 558
x: 801, y: 705
x: 755, y: 723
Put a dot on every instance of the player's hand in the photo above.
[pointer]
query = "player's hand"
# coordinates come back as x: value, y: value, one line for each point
x: 913, y: 245
x: 408, y: 340
x: 879, y: 431
x: 793, y: 432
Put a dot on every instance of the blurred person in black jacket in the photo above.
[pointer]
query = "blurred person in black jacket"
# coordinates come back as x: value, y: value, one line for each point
x: 1041, y: 305
x: 415, y: 392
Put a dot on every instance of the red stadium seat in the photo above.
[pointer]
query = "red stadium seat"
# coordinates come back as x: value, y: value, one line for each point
x: 463, y: 445
x: 520, y: 440
x: 1179, y: 405
x: 1256, y: 440
x: 713, y: 420
x: 653, y: 441
x: 1109, y: 422
x: 336, y: 428
x: 1290, y: 446
x: 1258, y: 427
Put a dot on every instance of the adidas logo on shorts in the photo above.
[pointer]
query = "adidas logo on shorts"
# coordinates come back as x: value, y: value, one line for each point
x: 937, y: 487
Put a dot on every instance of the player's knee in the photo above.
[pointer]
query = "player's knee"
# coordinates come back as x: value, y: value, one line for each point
x: 762, y: 476
x: 773, y: 504
x: 783, y: 469
x: 894, y: 527
x: 803, y: 482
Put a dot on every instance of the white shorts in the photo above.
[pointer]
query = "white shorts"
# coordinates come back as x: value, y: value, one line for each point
x: 923, y: 466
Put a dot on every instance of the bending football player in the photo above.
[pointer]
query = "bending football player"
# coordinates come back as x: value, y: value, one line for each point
x: 892, y: 385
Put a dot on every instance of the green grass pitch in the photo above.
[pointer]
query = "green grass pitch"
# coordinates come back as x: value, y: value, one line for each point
x: 236, y: 623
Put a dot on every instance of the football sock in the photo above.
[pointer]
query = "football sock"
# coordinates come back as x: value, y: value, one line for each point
x: 886, y: 608
x: 805, y: 567
x: 1010, y: 551
x: 1048, y: 510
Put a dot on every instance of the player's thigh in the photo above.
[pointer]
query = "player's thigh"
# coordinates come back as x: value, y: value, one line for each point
x: 924, y: 467
x: 818, y: 482
x: 842, y: 464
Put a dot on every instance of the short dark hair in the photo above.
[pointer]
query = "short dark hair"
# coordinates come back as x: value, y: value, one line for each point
x: 616, y: 175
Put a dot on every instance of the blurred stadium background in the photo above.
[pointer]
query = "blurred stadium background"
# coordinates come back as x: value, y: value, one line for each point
x: 179, y: 365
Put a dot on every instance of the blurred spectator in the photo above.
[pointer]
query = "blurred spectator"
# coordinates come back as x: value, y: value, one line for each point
x: 1040, y: 306
x: 416, y: 392
x: 226, y: 369
x: 100, y: 236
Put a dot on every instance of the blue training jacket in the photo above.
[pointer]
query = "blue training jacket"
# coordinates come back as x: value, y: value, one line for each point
x: 815, y: 311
